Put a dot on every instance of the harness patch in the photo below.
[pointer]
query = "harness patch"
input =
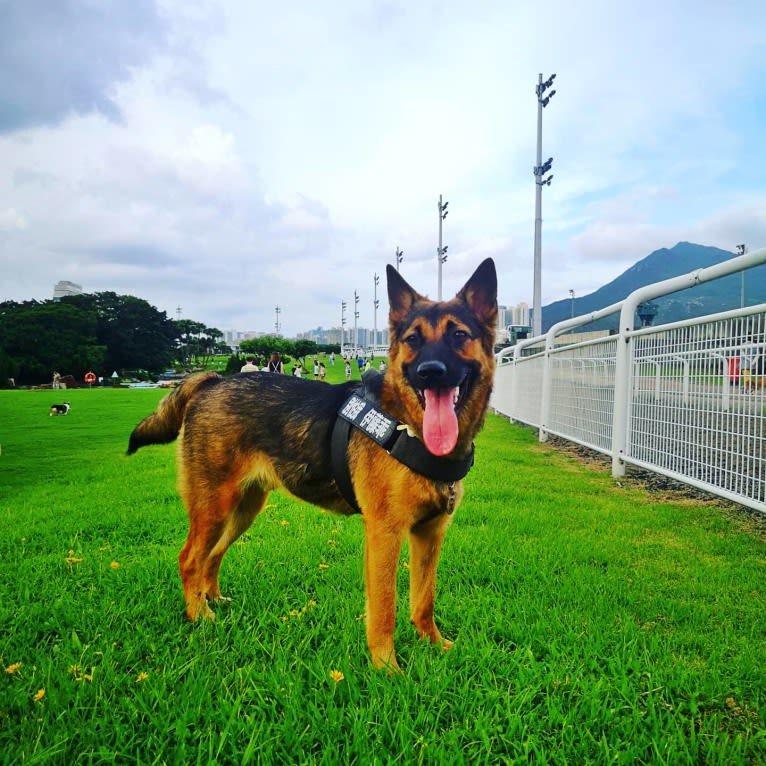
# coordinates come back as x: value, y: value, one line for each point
x: 365, y: 416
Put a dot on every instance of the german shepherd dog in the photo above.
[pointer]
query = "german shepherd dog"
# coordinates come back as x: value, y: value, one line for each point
x: 242, y: 436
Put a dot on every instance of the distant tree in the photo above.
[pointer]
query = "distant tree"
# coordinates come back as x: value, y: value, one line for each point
x: 40, y: 337
x: 304, y: 348
x: 189, y: 334
x: 136, y: 335
x: 99, y: 332
x: 8, y: 370
x: 209, y: 344
x: 266, y: 345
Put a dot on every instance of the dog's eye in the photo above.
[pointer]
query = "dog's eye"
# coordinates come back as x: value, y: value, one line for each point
x: 412, y: 340
x: 460, y: 335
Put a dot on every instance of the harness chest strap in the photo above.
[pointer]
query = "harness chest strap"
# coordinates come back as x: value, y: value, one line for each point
x: 361, y: 412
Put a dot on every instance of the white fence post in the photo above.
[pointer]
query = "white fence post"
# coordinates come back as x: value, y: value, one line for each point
x: 623, y: 365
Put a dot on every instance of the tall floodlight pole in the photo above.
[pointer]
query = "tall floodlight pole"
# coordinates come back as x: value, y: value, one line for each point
x: 356, y: 316
x: 741, y: 250
x: 572, y: 297
x: 399, y: 257
x: 375, y: 304
x: 441, y: 252
x: 342, y: 327
x: 540, y: 170
x: 276, y: 323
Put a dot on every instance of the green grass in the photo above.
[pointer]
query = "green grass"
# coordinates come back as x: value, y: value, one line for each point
x: 594, y: 623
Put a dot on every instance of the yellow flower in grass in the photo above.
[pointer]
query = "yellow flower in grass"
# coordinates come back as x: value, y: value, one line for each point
x: 324, y: 566
x: 115, y: 565
x: 336, y: 676
x: 76, y: 671
x: 141, y: 677
x: 72, y: 559
x: 284, y: 522
x: 39, y: 695
x: 14, y: 668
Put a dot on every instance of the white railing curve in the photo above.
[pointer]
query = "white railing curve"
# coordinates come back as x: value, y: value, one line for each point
x: 681, y: 399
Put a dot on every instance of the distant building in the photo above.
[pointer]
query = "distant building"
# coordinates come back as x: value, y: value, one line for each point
x: 233, y: 338
x: 512, y: 316
x: 520, y: 314
x: 62, y: 288
x: 332, y: 335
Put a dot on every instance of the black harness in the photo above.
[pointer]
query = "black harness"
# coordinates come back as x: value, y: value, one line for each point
x: 361, y: 411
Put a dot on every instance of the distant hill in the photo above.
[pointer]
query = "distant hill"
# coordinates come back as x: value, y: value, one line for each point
x: 719, y: 295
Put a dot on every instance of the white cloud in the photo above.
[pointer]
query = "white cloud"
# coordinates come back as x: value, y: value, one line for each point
x: 246, y: 154
x: 11, y: 219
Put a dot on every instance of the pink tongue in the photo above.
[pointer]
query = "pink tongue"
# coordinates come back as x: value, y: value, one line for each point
x: 440, y: 429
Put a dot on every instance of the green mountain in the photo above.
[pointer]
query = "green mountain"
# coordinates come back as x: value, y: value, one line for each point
x: 719, y: 295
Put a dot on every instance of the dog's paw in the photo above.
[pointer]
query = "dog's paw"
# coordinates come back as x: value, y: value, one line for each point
x: 200, y: 611
x: 390, y: 665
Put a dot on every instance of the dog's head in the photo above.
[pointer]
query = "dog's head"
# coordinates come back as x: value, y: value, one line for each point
x: 442, y: 358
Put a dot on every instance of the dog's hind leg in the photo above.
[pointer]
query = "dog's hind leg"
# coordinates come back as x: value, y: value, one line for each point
x: 425, y: 546
x: 251, y: 504
x: 215, y: 522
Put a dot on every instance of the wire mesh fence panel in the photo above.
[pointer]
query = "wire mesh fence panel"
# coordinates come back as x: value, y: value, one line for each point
x: 527, y: 397
x: 502, y: 390
x: 697, y: 404
x: 582, y: 395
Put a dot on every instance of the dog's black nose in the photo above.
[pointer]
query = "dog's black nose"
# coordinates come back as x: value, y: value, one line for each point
x: 432, y: 371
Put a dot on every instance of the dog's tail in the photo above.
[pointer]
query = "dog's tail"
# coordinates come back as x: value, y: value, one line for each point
x: 164, y: 424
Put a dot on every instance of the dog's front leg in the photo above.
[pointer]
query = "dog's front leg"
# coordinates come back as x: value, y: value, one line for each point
x: 425, y: 546
x: 382, y: 546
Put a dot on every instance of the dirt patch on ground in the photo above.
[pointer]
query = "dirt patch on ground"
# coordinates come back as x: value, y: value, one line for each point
x: 751, y: 521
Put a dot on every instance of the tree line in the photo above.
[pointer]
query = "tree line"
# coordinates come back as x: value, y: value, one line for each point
x: 106, y: 333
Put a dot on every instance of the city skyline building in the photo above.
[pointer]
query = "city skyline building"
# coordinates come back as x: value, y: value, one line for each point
x: 64, y: 287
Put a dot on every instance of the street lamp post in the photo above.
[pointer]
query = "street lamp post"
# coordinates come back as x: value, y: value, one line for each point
x: 399, y: 257
x: 356, y: 316
x: 741, y: 250
x: 572, y: 297
x: 539, y: 171
x: 375, y: 304
x: 441, y: 252
x: 342, y: 326
x: 276, y: 323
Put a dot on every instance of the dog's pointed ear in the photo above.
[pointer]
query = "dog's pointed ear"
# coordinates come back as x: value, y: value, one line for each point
x: 400, y: 295
x: 480, y: 292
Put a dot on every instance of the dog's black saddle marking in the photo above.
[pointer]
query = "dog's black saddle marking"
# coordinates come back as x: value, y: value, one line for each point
x: 361, y: 411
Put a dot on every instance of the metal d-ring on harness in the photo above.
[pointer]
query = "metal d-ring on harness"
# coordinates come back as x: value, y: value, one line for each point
x: 361, y: 411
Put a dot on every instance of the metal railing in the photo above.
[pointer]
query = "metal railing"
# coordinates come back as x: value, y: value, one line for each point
x: 680, y: 399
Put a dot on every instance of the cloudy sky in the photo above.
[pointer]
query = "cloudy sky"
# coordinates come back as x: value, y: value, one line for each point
x: 227, y: 157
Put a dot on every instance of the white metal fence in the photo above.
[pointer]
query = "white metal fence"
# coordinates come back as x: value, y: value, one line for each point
x: 686, y: 400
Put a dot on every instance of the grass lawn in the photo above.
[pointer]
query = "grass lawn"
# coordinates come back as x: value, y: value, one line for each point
x: 594, y: 622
